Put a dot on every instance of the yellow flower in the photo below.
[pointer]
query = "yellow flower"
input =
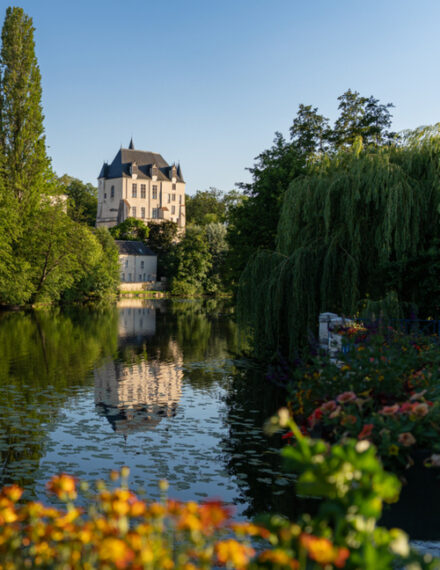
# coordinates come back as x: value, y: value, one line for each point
x: 393, y: 450
x: 114, y: 550
x: 232, y: 552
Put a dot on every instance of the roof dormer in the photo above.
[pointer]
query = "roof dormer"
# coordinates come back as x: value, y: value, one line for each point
x: 173, y: 173
x: 154, y: 172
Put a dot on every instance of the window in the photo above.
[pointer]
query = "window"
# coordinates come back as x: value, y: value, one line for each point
x: 143, y: 190
x: 154, y: 192
x: 133, y: 211
x: 142, y: 264
x: 105, y: 195
x: 140, y: 277
x: 134, y: 191
x: 169, y: 198
x: 123, y: 277
x: 173, y: 209
x: 174, y: 186
x: 126, y: 262
x: 112, y: 192
x: 129, y: 276
x: 142, y: 213
x: 174, y: 198
x: 180, y: 199
x: 155, y: 213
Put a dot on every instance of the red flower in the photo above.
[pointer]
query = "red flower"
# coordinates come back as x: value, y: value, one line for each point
x: 314, y: 417
x: 366, y: 431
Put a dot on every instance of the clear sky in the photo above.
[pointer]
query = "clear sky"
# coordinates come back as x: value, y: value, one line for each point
x: 208, y: 82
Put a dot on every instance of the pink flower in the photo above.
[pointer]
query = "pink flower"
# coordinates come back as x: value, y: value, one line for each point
x: 406, y: 439
x: 420, y: 410
x: 346, y: 397
x: 329, y: 406
x: 335, y: 412
x: 434, y: 460
x: 406, y: 407
x: 366, y: 431
x: 390, y: 410
x: 418, y: 395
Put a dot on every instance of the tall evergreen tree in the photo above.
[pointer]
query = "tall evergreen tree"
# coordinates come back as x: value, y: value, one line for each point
x: 27, y: 167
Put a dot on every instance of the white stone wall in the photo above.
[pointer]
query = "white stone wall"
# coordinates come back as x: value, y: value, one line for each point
x: 137, y: 268
x: 123, y: 189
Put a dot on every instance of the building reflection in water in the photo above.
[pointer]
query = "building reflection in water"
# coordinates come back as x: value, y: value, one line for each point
x: 136, y: 392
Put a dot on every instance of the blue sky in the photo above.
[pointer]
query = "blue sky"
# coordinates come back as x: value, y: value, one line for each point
x: 207, y: 83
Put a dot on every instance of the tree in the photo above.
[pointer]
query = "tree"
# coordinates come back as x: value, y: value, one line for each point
x: 252, y: 224
x: 348, y: 232
x: 22, y: 140
x: 192, y: 262
x: 101, y: 279
x: 205, y: 207
x: 310, y: 131
x: 130, y: 229
x: 83, y: 201
x: 362, y: 117
x: 162, y: 237
x: 215, y: 235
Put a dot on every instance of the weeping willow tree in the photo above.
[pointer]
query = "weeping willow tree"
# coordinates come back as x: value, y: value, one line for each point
x: 347, y: 231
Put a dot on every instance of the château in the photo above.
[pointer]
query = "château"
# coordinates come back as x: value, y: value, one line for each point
x: 140, y: 184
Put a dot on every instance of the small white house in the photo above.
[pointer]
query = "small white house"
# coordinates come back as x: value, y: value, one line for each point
x: 138, y: 263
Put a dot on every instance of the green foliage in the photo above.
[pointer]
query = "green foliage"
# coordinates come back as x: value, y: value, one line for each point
x: 191, y: 262
x: 43, y: 252
x: 22, y: 141
x: 353, y: 485
x: 100, y: 280
x: 253, y: 224
x: 83, y: 200
x: 342, y: 231
x: 364, y: 117
x: 205, y: 207
x: 130, y: 229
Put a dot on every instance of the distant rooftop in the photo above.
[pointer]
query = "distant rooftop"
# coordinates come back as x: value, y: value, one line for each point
x: 129, y: 247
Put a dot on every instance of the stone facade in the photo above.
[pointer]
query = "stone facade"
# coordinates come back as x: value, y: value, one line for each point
x: 138, y: 264
x: 141, y: 185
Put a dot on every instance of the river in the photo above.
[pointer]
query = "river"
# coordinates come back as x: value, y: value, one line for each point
x: 161, y: 387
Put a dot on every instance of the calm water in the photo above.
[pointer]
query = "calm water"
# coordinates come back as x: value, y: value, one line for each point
x: 160, y: 387
x: 157, y: 386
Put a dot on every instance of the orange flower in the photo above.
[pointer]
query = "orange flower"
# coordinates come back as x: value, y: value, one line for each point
x: 278, y: 556
x: 323, y: 551
x: 12, y: 492
x: 390, y: 410
x: 349, y: 419
x: 64, y: 486
x: 406, y: 439
x: 115, y: 551
x: 213, y: 514
x: 366, y: 431
x: 234, y: 553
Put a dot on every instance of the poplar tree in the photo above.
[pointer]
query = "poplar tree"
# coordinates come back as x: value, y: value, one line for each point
x: 26, y: 165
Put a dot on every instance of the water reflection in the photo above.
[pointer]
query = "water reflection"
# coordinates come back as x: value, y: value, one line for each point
x: 137, y: 396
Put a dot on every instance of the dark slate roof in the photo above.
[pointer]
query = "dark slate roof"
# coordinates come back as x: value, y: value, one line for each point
x: 128, y: 247
x: 144, y: 162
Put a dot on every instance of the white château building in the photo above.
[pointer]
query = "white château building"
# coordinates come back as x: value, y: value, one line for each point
x: 141, y: 185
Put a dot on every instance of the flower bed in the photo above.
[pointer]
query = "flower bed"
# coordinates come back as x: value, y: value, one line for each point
x: 384, y: 388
